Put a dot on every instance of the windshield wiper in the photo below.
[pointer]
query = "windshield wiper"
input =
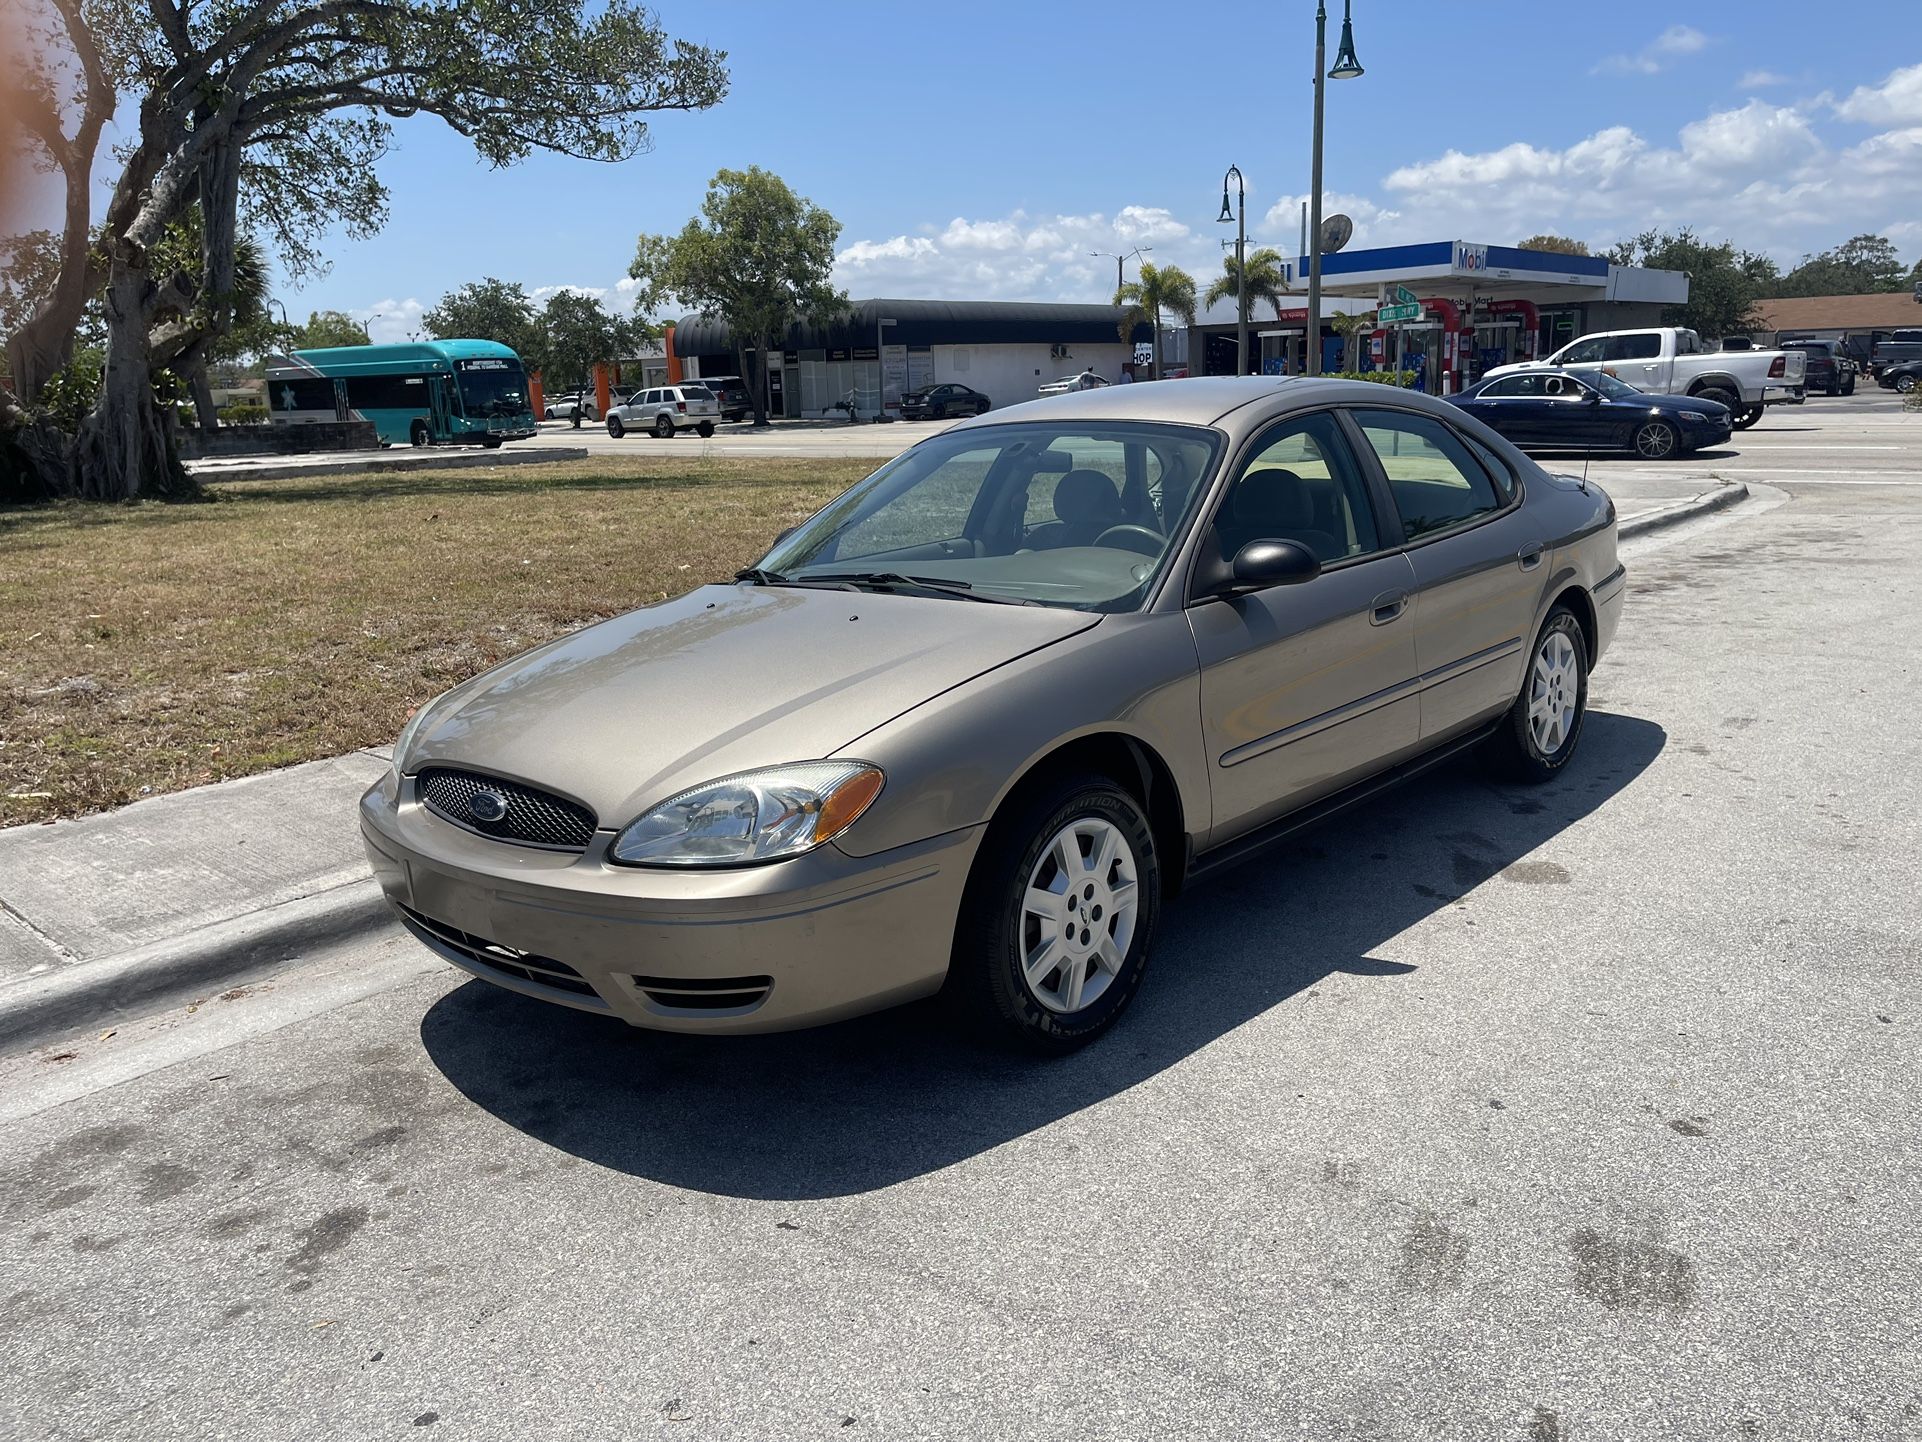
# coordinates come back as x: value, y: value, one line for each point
x: 760, y: 577
x: 934, y: 585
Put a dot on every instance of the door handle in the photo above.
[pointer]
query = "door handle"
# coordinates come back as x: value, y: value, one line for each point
x: 1529, y: 557
x: 1387, y: 606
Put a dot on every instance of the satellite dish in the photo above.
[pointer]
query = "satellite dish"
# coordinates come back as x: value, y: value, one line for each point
x: 1336, y: 231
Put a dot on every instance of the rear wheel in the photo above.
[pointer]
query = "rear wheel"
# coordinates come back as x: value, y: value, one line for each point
x: 492, y: 443
x: 417, y: 433
x: 663, y: 428
x: 1538, y: 736
x: 706, y: 428
x: 1656, y: 441
x: 615, y: 428
x: 1054, y: 931
x: 1746, y: 417
x: 980, y: 408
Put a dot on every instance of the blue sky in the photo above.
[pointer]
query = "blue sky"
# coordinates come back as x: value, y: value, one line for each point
x: 981, y: 150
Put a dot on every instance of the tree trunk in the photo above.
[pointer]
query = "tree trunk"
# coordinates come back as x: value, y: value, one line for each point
x: 124, y: 450
x: 1157, y: 364
x: 759, y: 388
x: 205, y: 411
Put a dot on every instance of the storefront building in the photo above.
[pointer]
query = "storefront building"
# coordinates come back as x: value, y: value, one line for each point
x: 880, y: 350
x: 1465, y: 307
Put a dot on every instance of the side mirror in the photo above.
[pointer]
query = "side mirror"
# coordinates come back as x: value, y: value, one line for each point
x: 1591, y: 398
x: 1259, y: 565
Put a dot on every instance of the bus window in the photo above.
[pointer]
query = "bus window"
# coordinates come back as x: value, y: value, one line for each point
x: 307, y: 393
x: 387, y: 393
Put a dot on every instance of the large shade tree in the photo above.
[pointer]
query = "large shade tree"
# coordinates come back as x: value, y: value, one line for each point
x: 758, y: 258
x: 277, y: 110
x: 1861, y: 265
x: 489, y: 309
x: 1161, y: 288
x: 579, y: 333
x: 1724, y: 283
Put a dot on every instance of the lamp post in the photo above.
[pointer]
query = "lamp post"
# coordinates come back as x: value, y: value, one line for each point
x: 367, y: 327
x: 1240, y: 218
x: 880, y: 371
x: 1346, y: 67
x: 1138, y: 251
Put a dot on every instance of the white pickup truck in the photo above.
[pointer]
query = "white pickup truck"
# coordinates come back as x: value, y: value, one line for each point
x: 1668, y: 360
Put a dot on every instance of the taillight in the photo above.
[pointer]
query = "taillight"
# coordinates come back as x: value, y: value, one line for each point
x: 1778, y: 367
x: 681, y: 406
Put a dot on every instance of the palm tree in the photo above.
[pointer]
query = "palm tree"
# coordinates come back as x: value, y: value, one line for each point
x: 1164, y: 287
x: 1266, y: 280
x: 1351, y: 328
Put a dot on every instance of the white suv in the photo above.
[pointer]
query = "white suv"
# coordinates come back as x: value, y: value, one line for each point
x: 665, y: 411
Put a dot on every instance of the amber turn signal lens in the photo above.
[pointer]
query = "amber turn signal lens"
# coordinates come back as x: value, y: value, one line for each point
x: 848, y: 800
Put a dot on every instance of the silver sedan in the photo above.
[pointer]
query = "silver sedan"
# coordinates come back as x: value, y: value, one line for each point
x: 969, y: 726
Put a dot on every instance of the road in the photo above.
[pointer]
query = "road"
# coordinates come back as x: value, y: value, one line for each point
x: 1566, y: 1113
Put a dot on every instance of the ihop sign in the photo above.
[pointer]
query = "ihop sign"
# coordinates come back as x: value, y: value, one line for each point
x: 1470, y: 259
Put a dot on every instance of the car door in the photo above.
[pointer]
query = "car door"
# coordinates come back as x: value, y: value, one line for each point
x: 1304, y: 687
x: 1510, y: 406
x: 1478, y: 565
x: 1636, y: 358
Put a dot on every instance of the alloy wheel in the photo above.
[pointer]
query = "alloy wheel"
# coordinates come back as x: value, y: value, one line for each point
x: 1554, y: 693
x: 1078, y: 915
x: 1655, y: 441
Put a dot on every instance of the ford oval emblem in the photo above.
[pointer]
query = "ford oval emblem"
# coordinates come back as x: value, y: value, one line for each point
x: 487, y: 806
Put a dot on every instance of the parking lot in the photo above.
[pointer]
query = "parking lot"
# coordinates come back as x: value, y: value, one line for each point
x: 1486, y: 1112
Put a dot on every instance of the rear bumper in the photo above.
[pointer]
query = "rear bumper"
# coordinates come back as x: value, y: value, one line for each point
x: 1784, y: 395
x: 767, y: 948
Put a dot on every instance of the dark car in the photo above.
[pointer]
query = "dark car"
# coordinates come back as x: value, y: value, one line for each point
x: 939, y: 402
x: 1830, y: 370
x: 731, y: 392
x: 1894, y: 348
x: 1559, y: 410
x: 1903, y: 378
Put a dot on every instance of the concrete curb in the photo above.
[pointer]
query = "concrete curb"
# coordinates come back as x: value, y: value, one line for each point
x: 358, y: 463
x: 139, y: 982
x: 1727, y: 493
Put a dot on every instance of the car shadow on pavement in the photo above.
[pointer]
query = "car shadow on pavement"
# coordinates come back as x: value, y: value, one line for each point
x: 867, y: 1103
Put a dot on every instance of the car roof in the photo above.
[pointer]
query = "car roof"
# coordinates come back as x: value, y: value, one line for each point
x: 1199, y: 401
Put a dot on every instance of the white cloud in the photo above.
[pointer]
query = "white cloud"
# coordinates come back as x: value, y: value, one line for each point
x: 1280, y: 224
x: 1758, y: 136
x: 1656, y: 56
x: 540, y: 294
x: 1760, y: 80
x: 390, y: 321
x: 1896, y: 101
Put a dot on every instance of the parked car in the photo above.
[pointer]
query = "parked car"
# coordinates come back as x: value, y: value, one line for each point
x: 1894, y: 348
x: 665, y: 411
x: 937, y: 403
x: 1903, y: 378
x: 562, y: 408
x: 1562, y: 410
x: 1669, y: 360
x: 1104, y: 644
x: 1829, y: 371
x: 1086, y: 381
x: 731, y: 394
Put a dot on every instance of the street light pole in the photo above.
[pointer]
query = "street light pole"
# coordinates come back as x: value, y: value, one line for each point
x: 1241, y: 263
x: 1346, y: 67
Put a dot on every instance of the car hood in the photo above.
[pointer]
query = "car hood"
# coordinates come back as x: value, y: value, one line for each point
x: 723, y: 679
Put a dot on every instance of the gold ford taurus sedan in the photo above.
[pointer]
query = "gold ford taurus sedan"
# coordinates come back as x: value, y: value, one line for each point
x: 970, y: 724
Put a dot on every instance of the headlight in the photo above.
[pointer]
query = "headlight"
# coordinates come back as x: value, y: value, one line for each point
x: 405, y: 741
x: 1701, y: 416
x: 754, y: 816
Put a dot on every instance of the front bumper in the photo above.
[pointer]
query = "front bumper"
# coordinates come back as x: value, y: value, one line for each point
x: 764, y: 948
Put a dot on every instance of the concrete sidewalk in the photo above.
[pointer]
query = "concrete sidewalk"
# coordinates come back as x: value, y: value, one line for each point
x: 173, y: 897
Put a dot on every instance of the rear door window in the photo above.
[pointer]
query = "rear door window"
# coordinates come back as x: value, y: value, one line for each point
x: 1436, y: 480
x: 1634, y: 347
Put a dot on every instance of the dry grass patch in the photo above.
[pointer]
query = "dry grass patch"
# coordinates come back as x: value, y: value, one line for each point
x: 155, y: 647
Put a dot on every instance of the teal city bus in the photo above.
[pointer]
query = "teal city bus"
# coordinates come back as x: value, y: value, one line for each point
x: 459, y: 391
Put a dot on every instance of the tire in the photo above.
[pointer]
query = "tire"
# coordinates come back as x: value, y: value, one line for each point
x: 1747, y: 416
x: 548, y: 414
x: 1848, y: 387
x: 417, y: 434
x: 663, y: 429
x: 1539, y: 734
x: 1834, y: 389
x: 491, y: 443
x: 939, y: 413
x: 1028, y: 852
x: 1905, y: 385
x: 1657, y: 441
x: 1722, y: 395
x: 706, y: 429
x: 981, y: 409
x: 615, y: 428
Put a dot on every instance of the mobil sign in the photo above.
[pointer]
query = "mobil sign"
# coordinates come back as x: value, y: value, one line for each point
x: 1470, y: 259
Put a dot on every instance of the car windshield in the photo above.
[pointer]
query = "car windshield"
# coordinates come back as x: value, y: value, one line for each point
x: 1614, y: 389
x: 1073, y: 513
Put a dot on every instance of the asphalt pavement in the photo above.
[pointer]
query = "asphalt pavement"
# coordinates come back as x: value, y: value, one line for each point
x: 1556, y: 1113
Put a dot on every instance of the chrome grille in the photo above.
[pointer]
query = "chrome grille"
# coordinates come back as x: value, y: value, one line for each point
x: 533, y: 817
x: 493, y: 957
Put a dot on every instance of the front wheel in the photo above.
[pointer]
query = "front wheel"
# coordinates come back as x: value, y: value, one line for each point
x: 1656, y: 441
x: 1538, y: 736
x: 614, y: 427
x: 1746, y: 417
x: 491, y: 443
x: 417, y: 433
x: 1905, y: 385
x: 663, y: 428
x: 1056, y: 924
